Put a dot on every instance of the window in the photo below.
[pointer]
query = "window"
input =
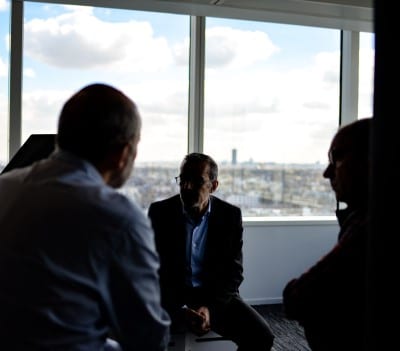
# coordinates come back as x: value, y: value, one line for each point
x: 271, y: 99
x: 271, y: 108
x: 144, y: 54
x: 4, y: 73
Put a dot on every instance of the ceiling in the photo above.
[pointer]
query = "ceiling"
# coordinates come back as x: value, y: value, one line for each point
x: 352, y: 15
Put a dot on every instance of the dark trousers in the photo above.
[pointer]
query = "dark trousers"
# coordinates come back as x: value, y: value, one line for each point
x: 236, y: 321
x: 242, y: 324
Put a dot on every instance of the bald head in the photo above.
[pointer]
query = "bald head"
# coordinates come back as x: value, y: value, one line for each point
x: 349, y: 163
x: 96, y: 120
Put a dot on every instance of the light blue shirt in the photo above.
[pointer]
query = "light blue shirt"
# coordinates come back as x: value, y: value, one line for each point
x: 77, y: 260
x: 196, y: 236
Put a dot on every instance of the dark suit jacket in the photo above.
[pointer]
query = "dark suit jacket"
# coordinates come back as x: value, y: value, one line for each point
x: 223, y: 269
x: 329, y: 299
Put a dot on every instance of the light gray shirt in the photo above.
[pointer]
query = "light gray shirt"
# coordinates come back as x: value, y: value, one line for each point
x: 77, y: 260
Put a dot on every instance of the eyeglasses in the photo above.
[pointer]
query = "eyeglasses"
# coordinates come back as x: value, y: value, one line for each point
x: 197, y: 182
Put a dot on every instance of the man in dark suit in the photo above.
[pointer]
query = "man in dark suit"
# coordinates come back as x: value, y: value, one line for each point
x: 199, y: 239
x: 329, y: 299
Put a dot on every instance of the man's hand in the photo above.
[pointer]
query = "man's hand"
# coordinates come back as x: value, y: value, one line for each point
x: 198, y: 320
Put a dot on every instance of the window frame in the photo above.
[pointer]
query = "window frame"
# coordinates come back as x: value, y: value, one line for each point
x: 350, y: 20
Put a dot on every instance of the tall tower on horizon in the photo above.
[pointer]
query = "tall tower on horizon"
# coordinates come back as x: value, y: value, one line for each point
x: 234, y: 156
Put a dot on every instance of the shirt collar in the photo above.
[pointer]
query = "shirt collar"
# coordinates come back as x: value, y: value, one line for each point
x: 76, y: 161
x: 206, y: 214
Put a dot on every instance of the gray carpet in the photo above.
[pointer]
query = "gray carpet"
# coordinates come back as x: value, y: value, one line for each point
x: 289, y: 335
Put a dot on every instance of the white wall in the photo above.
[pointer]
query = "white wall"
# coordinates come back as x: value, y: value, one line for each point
x: 276, y: 251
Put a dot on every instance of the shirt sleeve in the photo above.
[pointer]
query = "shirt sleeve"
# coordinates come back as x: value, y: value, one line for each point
x: 139, y: 321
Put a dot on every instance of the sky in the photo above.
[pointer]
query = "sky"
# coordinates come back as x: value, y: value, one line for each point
x: 271, y: 90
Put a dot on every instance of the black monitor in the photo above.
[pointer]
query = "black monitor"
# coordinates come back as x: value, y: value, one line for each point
x: 35, y: 148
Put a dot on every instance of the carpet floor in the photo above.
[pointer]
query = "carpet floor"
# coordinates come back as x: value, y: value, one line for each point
x: 289, y: 335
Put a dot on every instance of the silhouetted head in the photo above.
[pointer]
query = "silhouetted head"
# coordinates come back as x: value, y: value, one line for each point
x: 349, y: 163
x: 97, y: 123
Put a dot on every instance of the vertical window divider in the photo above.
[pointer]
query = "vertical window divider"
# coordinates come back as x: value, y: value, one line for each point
x: 15, y: 94
x: 196, y: 84
x: 350, y: 45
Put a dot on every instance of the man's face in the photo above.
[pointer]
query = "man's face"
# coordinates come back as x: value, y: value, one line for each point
x: 345, y: 171
x: 195, y: 186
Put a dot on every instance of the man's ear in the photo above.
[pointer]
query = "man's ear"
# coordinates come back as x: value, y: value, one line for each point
x: 214, y: 185
x: 116, y: 159
x: 114, y: 162
x: 122, y: 155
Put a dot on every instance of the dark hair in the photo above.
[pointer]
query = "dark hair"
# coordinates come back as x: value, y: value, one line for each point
x: 196, y: 157
x: 95, y: 120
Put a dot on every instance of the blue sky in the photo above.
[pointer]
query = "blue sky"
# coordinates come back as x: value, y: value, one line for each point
x: 260, y: 79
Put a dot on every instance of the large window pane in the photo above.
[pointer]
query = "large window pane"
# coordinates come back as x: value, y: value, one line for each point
x: 271, y: 109
x: 4, y: 73
x: 144, y: 54
x: 366, y: 75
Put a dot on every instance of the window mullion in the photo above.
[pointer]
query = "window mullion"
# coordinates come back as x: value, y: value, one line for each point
x: 349, y: 76
x: 16, y: 44
x: 196, y: 84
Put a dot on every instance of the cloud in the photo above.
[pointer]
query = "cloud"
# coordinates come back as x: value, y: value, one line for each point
x: 78, y: 39
x: 252, y: 109
x: 267, y: 91
x: 4, y: 5
x: 40, y: 110
x: 180, y: 52
x: 3, y: 129
x: 230, y: 48
x: 3, y: 68
x: 159, y: 99
x: 237, y: 48
x: 249, y: 104
x: 7, y: 40
x: 29, y: 73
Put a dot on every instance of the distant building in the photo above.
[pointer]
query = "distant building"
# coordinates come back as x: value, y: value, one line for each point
x: 234, y: 156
